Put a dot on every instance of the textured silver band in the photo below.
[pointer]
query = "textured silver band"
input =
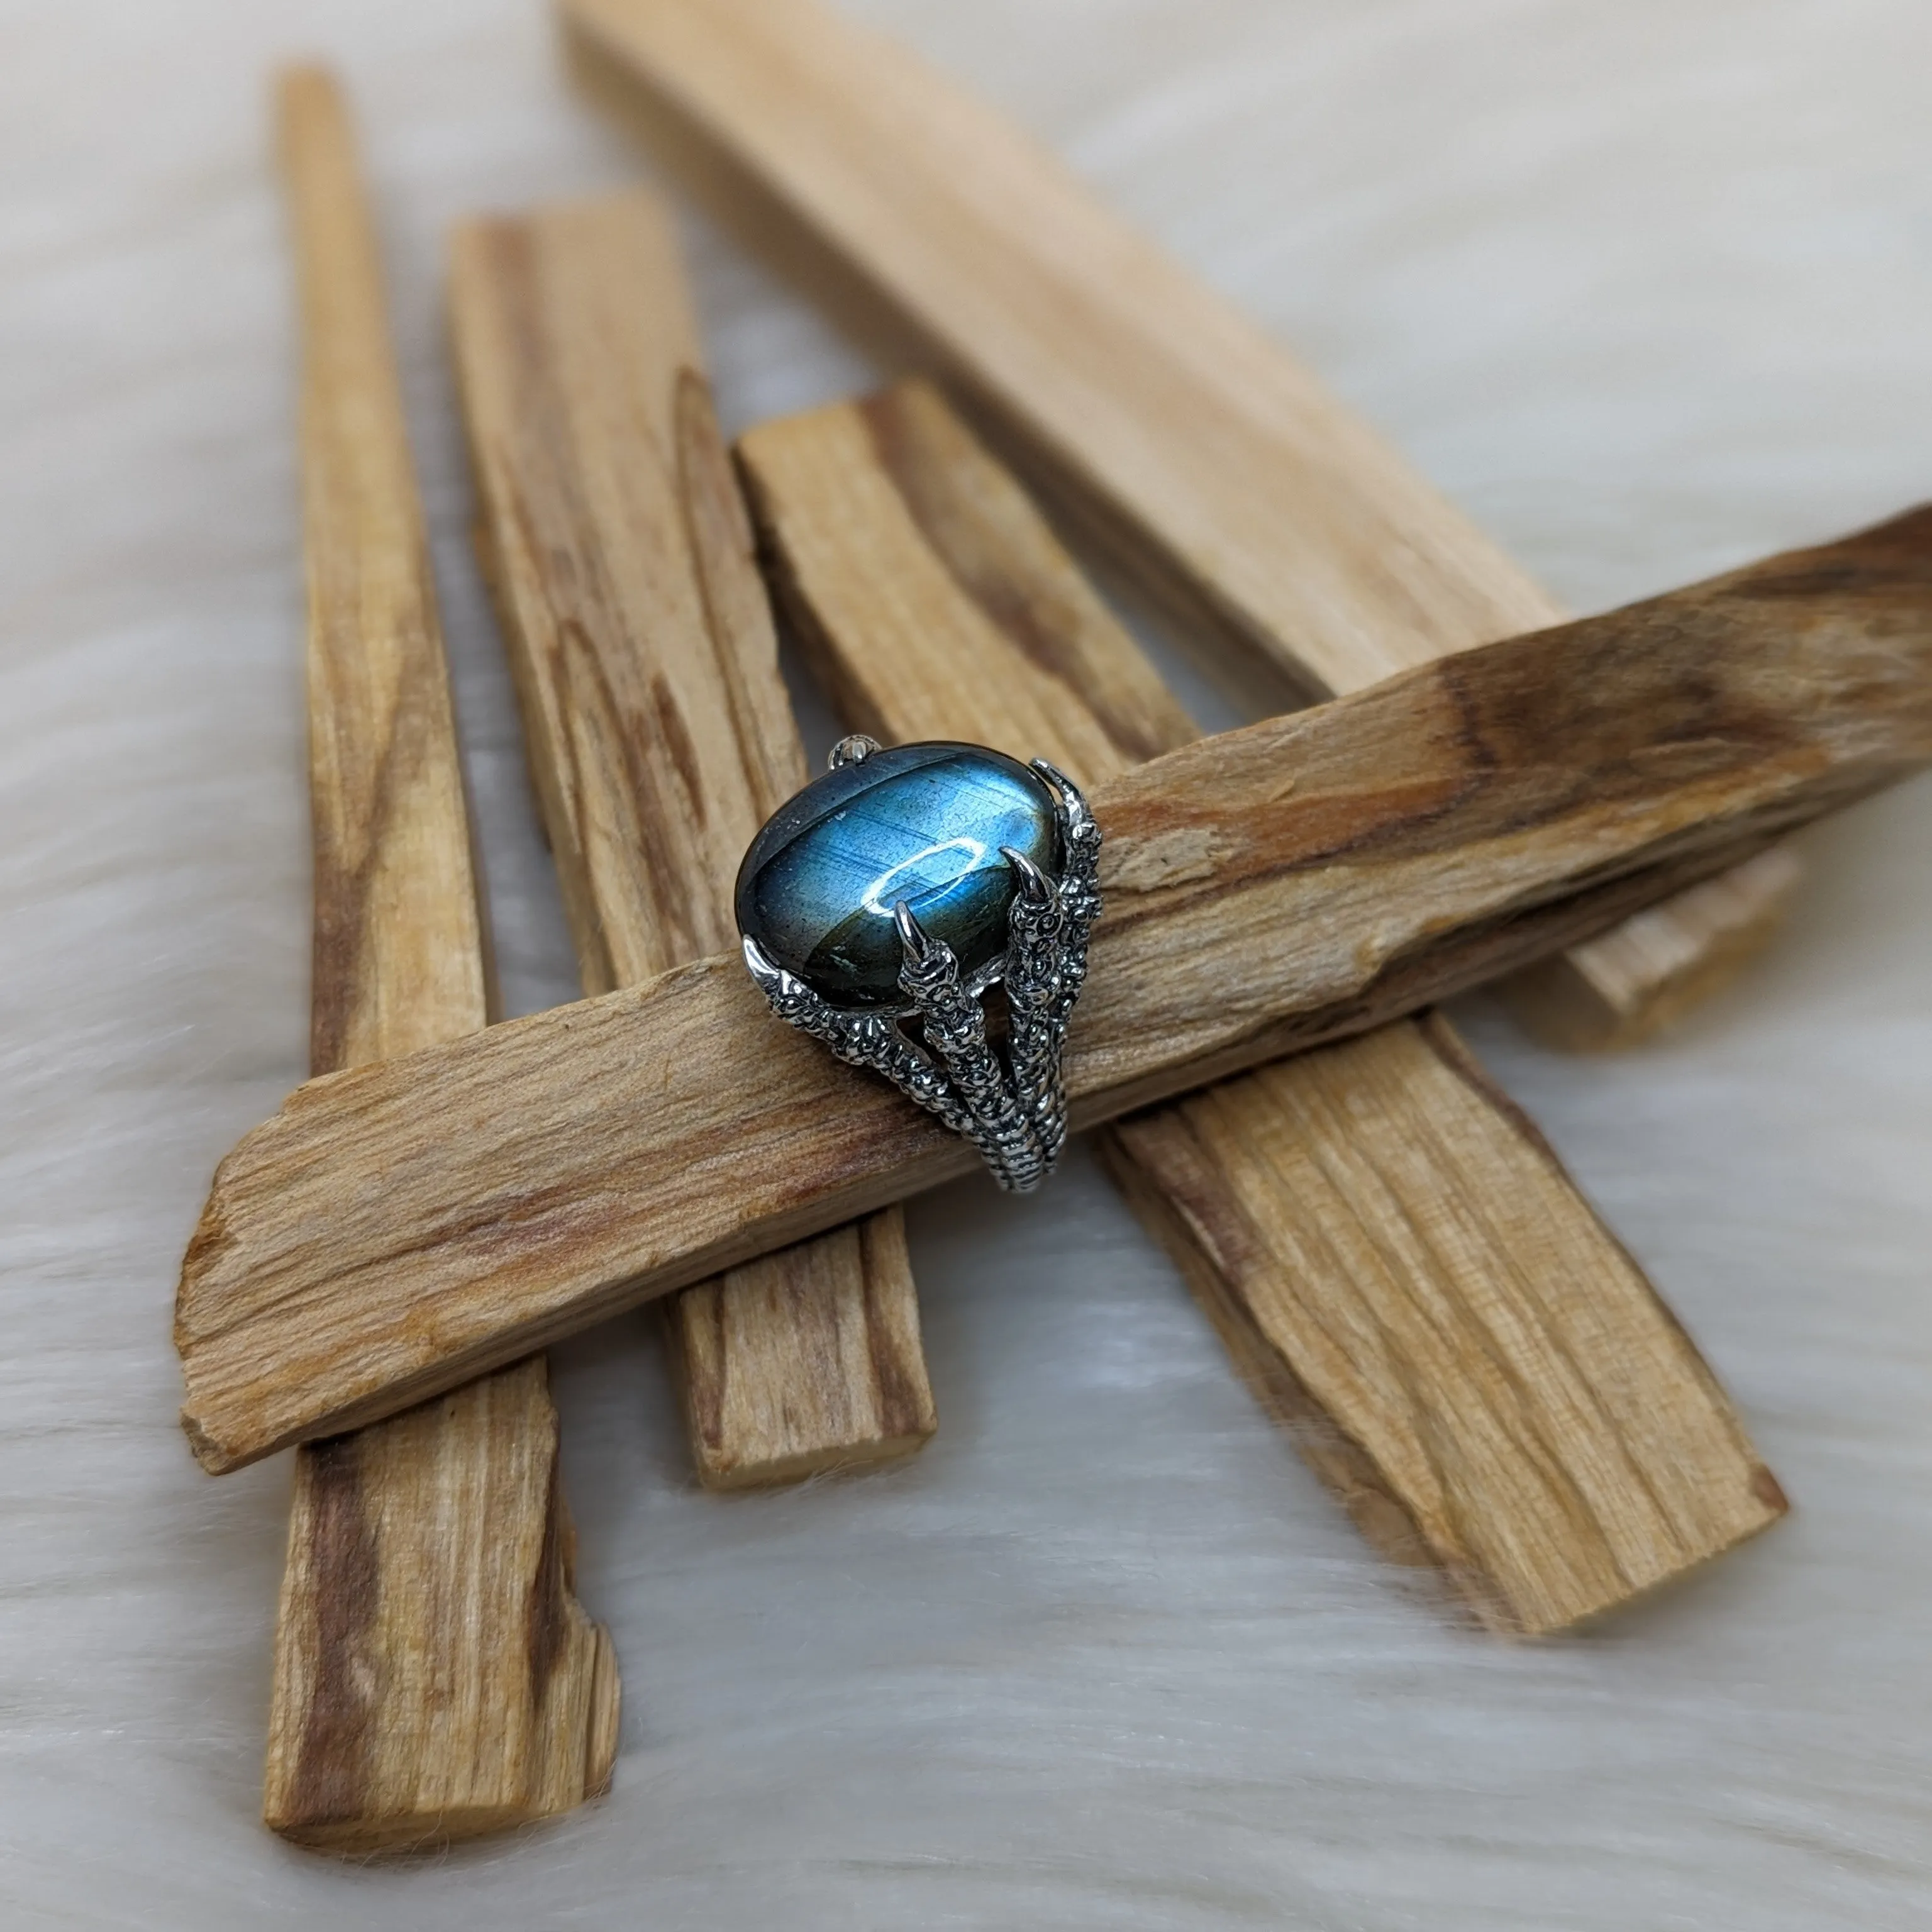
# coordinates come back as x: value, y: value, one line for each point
x: 1008, y: 1099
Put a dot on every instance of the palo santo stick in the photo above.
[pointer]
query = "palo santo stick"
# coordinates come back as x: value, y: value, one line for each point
x: 661, y: 738
x: 435, y: 1678
x: 1397, y: 1260
x: 1642, y: 976
x: 1216, y: 467
x: 399, y: 1227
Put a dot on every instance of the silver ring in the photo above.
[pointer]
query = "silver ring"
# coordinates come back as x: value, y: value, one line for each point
x: 880, y: 907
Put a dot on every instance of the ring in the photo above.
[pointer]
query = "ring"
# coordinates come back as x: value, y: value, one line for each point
x: 881, y: 904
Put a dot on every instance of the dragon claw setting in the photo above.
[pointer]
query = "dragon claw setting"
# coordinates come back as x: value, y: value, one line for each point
x: 880, y: 907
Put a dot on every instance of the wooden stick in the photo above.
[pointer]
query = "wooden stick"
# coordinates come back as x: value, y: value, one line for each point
x: 661, y: 738
x: 1214, y: 465
x: 1397, y: 1260
x: 399, y: 1227
x: 434, y: 1676
x: 1646, y: 974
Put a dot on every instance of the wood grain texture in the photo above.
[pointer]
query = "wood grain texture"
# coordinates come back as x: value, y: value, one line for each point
x: 434, y: 1677
x: 400, y: 952
x: 1370, y: 1225
x: 1499, y: 1392
x: 661, y: 738
x: 399, y: 1227
x: 1215, y: 467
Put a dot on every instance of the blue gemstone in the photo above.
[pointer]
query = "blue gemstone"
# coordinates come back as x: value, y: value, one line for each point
x: 921, y: 823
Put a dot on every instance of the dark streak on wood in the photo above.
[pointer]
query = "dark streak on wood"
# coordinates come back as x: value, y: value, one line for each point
x: 331, y: 1780
x: 722, y: 542
x: 957, y: 530
x: 549, y: 1592
x: 904, y: 1401
x: 703, y: 1394
x: 655, y: 794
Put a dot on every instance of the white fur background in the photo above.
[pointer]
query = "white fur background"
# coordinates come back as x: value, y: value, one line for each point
x: 1647, y: 285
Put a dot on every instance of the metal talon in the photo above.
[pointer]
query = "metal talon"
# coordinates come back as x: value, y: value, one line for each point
x: 918, y: 943
x: 1037, y: 889
x: 853, y: 750
x: 763, y: 968
x: 1001, y: 1087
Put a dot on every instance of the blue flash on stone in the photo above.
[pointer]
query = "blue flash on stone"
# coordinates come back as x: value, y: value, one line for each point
x: 926, y: 826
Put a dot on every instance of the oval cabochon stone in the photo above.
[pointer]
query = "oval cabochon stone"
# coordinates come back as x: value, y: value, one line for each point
x: 921, y: 823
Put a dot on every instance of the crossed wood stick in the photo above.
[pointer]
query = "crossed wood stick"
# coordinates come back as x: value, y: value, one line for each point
x: 1512, y: 797
x: 400, y: 1227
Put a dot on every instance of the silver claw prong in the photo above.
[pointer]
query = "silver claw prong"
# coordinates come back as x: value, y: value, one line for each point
x: 789, y: 997
x: 763, y: 967
x: 1072, y: 799
x: 1037, y: 889
x: 1003, y: 1091
x: 913, y: 937
x: 853, y: 750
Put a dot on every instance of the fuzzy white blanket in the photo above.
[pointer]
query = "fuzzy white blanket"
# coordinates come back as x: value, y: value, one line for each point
x: 1647, y: 286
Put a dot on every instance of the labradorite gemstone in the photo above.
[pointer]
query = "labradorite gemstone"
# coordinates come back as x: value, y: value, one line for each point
x: 921, y: 823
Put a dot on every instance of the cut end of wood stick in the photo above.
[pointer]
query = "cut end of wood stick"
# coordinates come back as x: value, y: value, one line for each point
x: 806, y: 1363
x: 1487, y: 1381
x: 440, y: 1535
x: 1633, y: 983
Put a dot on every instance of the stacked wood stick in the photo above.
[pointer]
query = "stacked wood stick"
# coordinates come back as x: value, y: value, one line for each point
x: 1395, y: 1258
x: 650, y: 721
x: 1212, y: 465
x: 435, y: 1677
x: 1272, y: 890
x: 661, y: 738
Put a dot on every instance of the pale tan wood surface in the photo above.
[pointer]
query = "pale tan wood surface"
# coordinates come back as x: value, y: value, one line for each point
x: 1624, y: 989
x: 434, y: 1676
x: 399, y: 946
x: 1370, y: 1225
x: 1410, y: 1282
x: 1216, y: 467
x: 661, y: 738
x: 1270, y: 889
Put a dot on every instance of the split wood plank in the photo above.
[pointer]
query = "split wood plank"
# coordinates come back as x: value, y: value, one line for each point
x: 435, y: 1678
x: 399, y: 1227
x: 1214, y: 465
x: 1476, y: 1364
x: 661, y: 738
